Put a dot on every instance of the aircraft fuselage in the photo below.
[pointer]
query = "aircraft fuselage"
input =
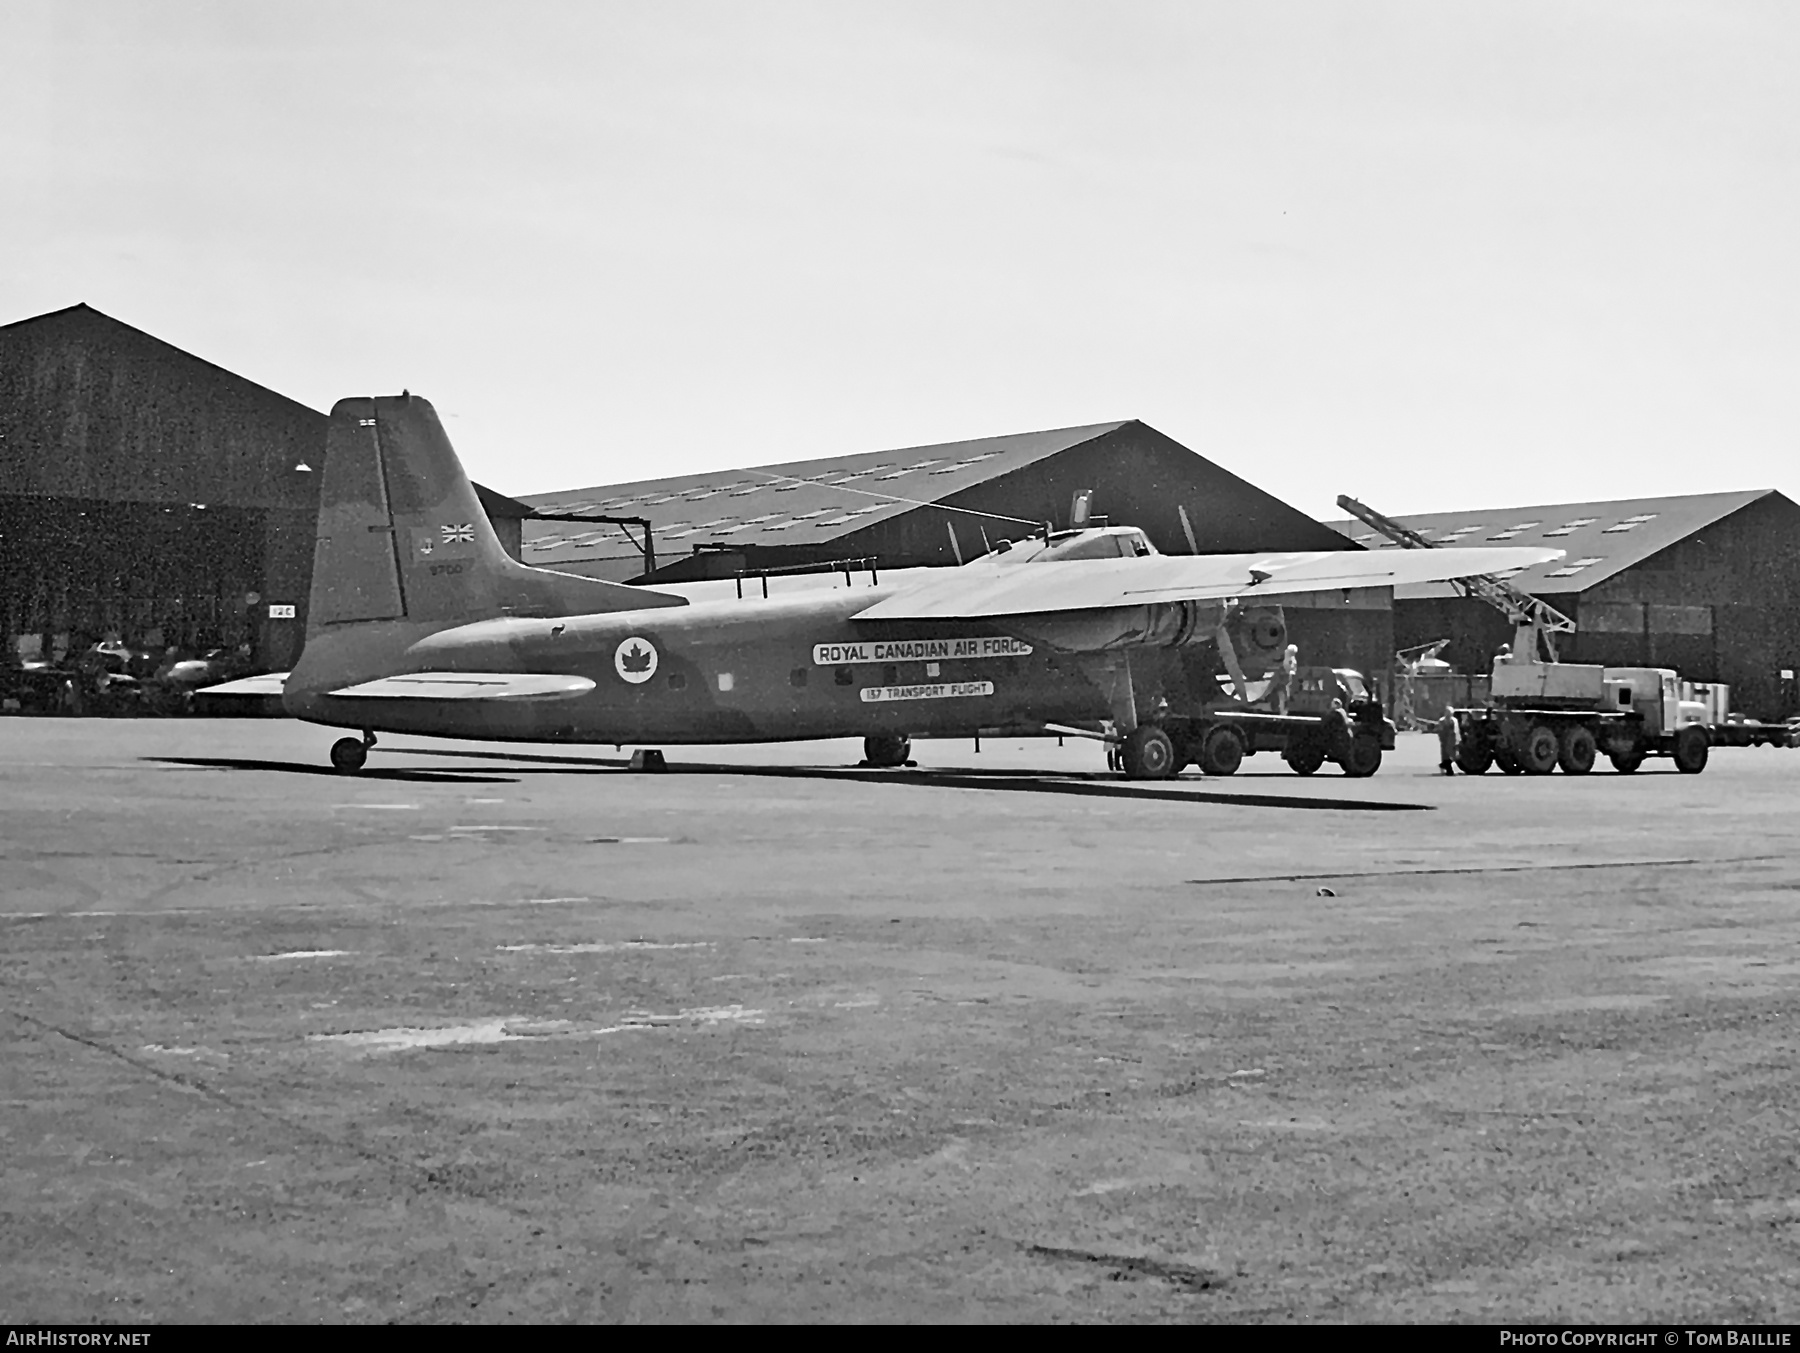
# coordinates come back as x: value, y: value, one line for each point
x: 793, y: 665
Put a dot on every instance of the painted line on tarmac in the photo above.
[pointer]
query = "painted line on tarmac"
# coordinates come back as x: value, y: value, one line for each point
x: 1482, y: 869
x: 292, y: 906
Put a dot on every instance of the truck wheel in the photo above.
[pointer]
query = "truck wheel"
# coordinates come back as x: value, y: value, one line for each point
x: 1626, y: 762
x: 1538, y: 755
x: 887, y: 750
x: 1577, y: 753
x: 1690, y: 750
x: 1304, y: 755
x: 1474, y: 757
x: 1364, y: 758
x: 1147, y: 754
x: 1221, y: 751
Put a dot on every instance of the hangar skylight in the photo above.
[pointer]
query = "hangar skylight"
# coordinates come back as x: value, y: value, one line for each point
x: 1573, y: 567
x: 1569, y: 528
x: 1631, y: 523
x: 1449, y: 537
x: 965, y: 463
x: 1516, y: 529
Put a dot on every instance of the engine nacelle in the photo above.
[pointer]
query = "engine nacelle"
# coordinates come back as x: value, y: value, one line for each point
x: 1259, y: 635
x: 1163, y: 624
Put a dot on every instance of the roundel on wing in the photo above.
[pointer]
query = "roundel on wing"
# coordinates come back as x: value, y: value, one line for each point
x: 635, y: 659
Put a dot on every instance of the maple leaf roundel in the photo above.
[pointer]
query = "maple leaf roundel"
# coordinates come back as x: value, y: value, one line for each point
x: 635, y: 659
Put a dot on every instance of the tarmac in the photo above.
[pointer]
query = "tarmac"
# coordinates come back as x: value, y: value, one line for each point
x: 503, y: 1033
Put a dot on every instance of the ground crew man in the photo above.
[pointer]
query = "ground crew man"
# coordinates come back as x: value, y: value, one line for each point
x: 1447, y: 732
x: 1290, y: 664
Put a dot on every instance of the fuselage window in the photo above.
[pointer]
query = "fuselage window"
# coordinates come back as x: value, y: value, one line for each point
x: 797, y: 677
x: 843, y: 676
x: 726, y: 681
x: 890, y: 675
x: 678, y: 681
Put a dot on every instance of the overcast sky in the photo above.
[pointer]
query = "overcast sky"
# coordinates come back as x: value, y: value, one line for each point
x: 1433, y: 254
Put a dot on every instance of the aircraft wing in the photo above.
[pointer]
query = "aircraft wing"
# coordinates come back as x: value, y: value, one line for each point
x: 269, y: 683
x: 1093, y: 584
x: 469, y: 686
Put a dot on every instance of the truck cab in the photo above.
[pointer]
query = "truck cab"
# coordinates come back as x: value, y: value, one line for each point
x: 1654, y: 693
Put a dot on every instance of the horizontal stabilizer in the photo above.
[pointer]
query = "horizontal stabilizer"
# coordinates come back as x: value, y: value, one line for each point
x: 269, y: 683
x: 1032, y: 588
x: 469, y: 686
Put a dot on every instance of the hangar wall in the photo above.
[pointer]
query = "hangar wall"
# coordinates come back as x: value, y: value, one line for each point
x: 149, y: 495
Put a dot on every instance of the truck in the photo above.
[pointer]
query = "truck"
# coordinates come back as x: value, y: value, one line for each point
x: 1545, y: 713
x: 1330, y: 715
x: 1549, y: 714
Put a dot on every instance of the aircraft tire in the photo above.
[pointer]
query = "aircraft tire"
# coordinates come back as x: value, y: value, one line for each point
x: 348, y: 755
x: 1576, y: 750
x: 1147, y: 754
x: 887, y: 750
x: 1690, y: 750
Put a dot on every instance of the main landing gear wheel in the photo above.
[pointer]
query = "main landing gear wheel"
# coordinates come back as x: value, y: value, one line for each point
x: 1576, y: 754
x: 1538, y: 755
x: 349, y: 754
x: 1690, y: 750
x: 887, y: 750
x: 1221, y: 751
x: 1147, y: 754
x: 1364, y: 757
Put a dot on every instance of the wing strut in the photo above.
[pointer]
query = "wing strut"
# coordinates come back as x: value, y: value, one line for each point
x: 1111, y: 672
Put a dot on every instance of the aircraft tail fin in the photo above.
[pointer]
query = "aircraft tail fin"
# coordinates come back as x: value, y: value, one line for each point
x: 403, y: 536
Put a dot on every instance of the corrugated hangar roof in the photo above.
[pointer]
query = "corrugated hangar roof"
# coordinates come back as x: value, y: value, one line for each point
x: 1601, y: 539
x: 802, y: 502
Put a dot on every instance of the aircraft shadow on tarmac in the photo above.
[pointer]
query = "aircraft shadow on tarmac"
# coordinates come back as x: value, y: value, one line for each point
x: 441, y: 777
x: 1096, y: 785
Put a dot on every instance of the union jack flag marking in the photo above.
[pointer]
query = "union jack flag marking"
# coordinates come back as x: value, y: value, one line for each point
x: 460, y: 535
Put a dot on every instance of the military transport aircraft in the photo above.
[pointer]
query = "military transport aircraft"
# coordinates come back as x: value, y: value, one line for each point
x: 421, y: 623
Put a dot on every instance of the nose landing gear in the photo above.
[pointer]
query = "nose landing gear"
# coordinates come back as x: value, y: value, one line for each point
x: 349, y: 754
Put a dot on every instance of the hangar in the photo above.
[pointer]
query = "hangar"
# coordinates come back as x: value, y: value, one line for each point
x: 150, y: 495
x: 943, y: 504
x: 1705, y: 583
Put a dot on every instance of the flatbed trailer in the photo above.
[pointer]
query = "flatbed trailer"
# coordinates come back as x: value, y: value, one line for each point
x: 1218, y: 740
x: 1754, y: 733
